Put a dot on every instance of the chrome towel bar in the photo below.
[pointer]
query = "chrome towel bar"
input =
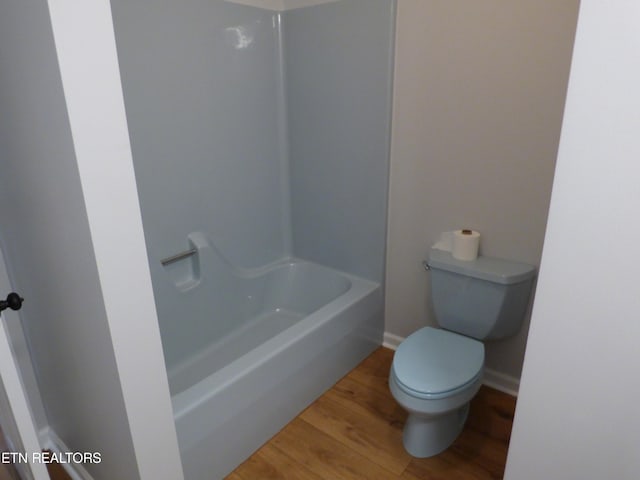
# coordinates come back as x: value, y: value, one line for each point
x: 178, y: 256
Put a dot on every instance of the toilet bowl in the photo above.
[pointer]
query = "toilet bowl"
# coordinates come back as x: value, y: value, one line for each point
x: 437, y: 371
x: 434, y: 376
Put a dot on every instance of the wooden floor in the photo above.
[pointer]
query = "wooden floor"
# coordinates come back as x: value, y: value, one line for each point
x: 57, y: 472
x: 354, y: 431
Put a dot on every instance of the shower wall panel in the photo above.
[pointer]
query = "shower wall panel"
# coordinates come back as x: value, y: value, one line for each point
x: 339, y: 73
x: 244, y: 122
x: 202, y: 83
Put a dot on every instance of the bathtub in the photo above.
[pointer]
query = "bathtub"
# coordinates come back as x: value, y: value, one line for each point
x: 300, y: 327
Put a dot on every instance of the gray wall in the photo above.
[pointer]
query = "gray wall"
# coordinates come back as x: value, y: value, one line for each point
x: 45, y: 238
x: 479, y: 95
x: 339, y: 69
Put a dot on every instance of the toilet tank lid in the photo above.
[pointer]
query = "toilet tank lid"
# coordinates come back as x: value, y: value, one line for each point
x: 491, y: 269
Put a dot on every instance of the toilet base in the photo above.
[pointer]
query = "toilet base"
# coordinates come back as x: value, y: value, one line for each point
x: 427, y: 435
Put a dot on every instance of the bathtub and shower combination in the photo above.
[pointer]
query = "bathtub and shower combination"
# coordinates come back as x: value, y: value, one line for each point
x: 260, y: 139
x: 292, y: 329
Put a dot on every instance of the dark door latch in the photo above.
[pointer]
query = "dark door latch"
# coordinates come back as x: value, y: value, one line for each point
x: 13, y: 301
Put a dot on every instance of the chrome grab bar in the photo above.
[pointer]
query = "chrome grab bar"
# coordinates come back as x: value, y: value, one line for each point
x: 179, y: 256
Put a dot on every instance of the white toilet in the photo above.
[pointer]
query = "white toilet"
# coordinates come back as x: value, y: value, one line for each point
x: 436, y: 372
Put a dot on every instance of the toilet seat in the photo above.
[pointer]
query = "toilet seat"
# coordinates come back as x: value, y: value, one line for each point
x: 433, y: 363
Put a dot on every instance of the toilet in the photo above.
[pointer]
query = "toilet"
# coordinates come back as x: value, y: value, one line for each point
x: 437, y: 371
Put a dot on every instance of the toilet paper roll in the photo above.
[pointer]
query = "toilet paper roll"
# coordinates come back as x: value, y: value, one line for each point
x: 465, y: 244
x: 462, y: 244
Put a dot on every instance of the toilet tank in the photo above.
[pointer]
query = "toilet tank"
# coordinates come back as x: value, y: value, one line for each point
x: 486, y: 298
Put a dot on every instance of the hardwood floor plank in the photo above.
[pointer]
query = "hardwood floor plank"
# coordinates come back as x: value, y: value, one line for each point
x: 374, y: 370
x: 57, y: 472
x: 325, y: 456
x: 270, y: 463
x: 446, y: 466
x: 356, y: 395
x: 475, y: 448
x: 235, y: 476
x: 492, y: 414
x: 365, y: 433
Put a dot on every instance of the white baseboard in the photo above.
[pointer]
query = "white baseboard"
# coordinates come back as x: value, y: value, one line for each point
x: 492, y: 378
x: 500, y: 381
x: 389, y: 340
x: 50, y: 440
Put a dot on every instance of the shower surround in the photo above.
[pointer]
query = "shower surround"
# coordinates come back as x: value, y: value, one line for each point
x: 260, y: 140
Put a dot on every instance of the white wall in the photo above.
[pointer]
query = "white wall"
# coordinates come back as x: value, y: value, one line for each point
x: 577, y: 414
x: 479, y: 91
x: 74, y: 243
x: 45, y: 236
x: 86, y: 51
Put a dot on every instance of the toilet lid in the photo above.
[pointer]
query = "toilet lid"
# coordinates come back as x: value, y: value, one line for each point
x: 434, y: 361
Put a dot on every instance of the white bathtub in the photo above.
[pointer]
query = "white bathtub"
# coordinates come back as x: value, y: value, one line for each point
x: 301, y: 327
